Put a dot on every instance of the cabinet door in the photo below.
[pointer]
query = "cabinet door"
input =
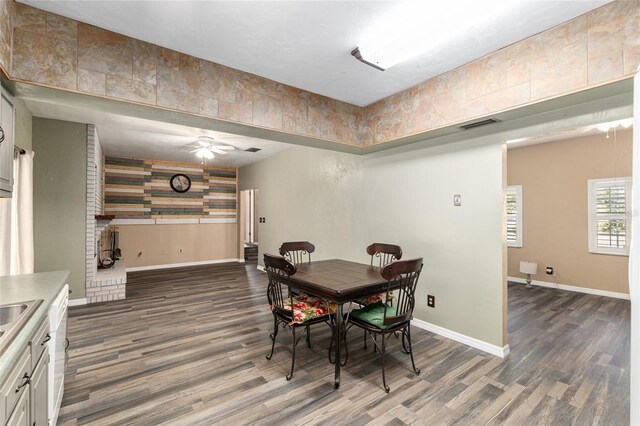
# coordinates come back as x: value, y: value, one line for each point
x: 20, y: 416
x: 6, y: 147
x: 39, y: 391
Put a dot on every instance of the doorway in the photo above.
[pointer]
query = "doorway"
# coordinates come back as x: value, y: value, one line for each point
x: 249, y: 224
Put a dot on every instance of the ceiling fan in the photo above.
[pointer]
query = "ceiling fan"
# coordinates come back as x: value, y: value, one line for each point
x: 206, y: 146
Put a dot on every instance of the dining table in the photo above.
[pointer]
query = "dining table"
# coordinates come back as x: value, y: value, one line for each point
x: 338, y: 281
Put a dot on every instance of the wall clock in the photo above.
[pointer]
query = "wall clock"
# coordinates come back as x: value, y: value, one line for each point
x: 180, y: 183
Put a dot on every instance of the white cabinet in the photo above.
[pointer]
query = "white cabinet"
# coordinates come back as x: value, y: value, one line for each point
x: 24, y: 396
x: 15, y: 389
x: 20, y: 416
x: 39, y: 391
x: 6, y: 146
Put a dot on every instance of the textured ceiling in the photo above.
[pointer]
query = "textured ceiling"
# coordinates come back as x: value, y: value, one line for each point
x: 307, y: 44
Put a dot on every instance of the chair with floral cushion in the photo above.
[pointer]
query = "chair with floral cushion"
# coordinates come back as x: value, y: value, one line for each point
x: 291, y: 310
x: 298, y: 252
x: 382, y: 319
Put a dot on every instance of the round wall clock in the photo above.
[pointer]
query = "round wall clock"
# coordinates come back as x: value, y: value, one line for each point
x: 180, y: 183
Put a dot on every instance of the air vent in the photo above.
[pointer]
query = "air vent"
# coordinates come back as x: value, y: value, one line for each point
x: 253, y: 149
x: 479, y: 123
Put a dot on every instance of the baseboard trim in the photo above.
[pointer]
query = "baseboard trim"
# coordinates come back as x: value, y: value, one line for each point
x: 78, y: 302
x: 180, y: 265
x: 498, y: 351
x: 574, y: 288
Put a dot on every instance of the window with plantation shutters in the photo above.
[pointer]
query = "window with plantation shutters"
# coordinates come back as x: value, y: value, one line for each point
x: 609, y: 215
x: 514, y: 216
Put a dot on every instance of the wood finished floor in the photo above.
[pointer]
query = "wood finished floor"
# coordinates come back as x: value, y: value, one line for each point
x: 188, y: 346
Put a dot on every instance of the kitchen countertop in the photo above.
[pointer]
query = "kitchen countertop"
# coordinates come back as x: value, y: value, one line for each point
x: 20, y: 288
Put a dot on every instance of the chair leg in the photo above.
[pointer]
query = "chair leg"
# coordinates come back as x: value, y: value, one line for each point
x: 273, y: 337
x: 364, y: 335
x: 415, y: 370
x: 384, y: 379
x: 309, y: 336
x: 293, y: 356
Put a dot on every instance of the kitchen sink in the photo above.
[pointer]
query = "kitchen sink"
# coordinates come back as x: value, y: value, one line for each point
x: 13, y: 317
x: 11, y: 313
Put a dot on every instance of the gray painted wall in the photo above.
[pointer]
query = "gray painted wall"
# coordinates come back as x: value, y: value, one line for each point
x: 59, y: 198
x: 343, y: 202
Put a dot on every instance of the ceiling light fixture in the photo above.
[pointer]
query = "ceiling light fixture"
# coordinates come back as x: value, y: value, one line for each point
x: 625, y: 124
x: 206, y: 146
x: 204, y: 153
x: 411, y: 28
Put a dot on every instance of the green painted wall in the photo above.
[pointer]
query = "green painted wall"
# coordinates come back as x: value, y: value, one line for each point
x: 343, y: 202
x: 59, y: 198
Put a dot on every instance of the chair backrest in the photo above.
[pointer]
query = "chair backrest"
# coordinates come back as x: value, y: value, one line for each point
x: 278, y: 270
x: 402, y: 278
x: 385, y: 253
x: 297, y: 252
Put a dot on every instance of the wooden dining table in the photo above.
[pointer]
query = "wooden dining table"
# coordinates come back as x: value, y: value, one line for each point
x: 338, y: 281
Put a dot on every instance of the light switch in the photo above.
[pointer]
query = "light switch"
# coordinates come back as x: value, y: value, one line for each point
x: 457, y: 200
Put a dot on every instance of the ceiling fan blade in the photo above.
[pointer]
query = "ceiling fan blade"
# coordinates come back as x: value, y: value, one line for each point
x: 218, y: 151
x: 227, y: 147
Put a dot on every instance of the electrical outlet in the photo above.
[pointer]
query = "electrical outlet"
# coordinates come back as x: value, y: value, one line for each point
x: 431, y: 301
x: 549, y: 270
x: 180, y: 251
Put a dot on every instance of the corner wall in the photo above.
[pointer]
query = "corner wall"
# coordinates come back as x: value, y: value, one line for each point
x: 555, y: 209
x: 59, y: 199
x: 343, y: 202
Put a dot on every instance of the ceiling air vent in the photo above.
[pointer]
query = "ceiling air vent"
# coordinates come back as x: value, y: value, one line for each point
x: 253, y: 149
x: 479, y: 123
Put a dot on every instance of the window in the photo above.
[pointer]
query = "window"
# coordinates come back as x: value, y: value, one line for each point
x: 609, y: 215
x: 514, y: 216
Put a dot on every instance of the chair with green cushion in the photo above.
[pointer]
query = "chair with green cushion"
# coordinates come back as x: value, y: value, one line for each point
x: 381, y: 254
x: 291, y: 310
x: 383, y: 319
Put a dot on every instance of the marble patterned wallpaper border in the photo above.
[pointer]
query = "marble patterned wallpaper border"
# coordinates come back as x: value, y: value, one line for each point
x: 591, y: 50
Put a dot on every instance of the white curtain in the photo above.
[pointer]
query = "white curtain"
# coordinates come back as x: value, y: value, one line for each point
x: 16, y: 220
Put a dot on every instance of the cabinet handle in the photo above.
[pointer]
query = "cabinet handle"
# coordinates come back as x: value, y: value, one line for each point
x: 46, y: 339
x: 1, y: 134
x: 67, y: 343
x: 26, y: 379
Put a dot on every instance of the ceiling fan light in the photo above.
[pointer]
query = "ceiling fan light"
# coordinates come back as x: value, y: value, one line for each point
x: 204, y: 153
x: 205, y: 141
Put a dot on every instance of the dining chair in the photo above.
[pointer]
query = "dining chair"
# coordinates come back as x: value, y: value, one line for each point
x: 384, y: 253
x: 383, y: 319
x: 290, y: 310
x: 297, y: 252
x: 381, y: 254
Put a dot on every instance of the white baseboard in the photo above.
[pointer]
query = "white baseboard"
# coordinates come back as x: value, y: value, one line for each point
x: 501, y: 352
x: 180, y: 265
x: 572, y: 288
x: 78, y: 302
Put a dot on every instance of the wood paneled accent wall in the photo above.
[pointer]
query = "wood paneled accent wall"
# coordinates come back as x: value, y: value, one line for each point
x: 139, y: 189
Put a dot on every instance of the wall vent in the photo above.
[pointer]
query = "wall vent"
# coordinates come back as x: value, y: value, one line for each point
x: 253, y: 149
x: 479, y: 123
